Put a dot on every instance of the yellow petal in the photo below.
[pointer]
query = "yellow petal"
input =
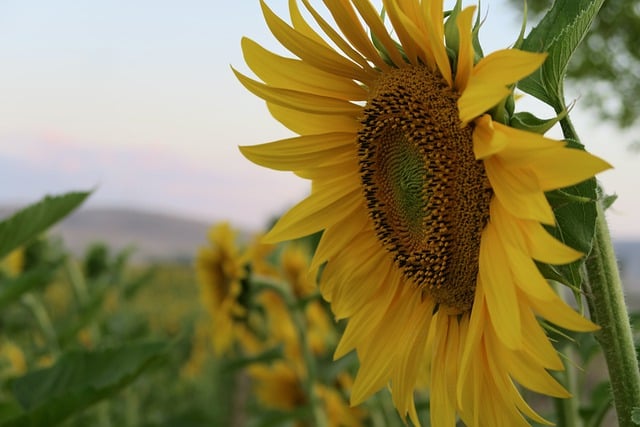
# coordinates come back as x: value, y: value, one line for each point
x: 309, y: 50
x: 320, y: 210
x: 288, y: 73
x: 304, y: 123
x: 301, y: 25
x: 486, y: 141
x: 405, y: 30
x: 465, y: 51
x: 479, y: 97
x: 335, y: 238
x: 530, y: 374
x: 434, y: 20
x: 338, y: 40
x: 299, y: 152
x: 530, y: 237
x: 445, y: 358
x: 489, y: 79
x: 507, y: 66
x: 536, y: 343
x: 302, y: 101
x: 561, y: 314
x: 518, y: 192
x: 499, y: 288
x: 377, y: 28
x: 563, y: 167
x: 344, y: 15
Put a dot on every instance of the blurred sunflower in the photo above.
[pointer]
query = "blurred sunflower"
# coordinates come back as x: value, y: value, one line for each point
x: 280, y: 386
x: 13, y: 264
x: 432, y: 208
x: 219, y: 270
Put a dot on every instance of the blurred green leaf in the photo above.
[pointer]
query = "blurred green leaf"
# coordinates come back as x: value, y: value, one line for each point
x: 78, y: 380
x: 267, y: 356
x: 635, y: 416
x: 29, y: 222
x: 559, y: 33
x: 12, y: 288
x: 9, y: 409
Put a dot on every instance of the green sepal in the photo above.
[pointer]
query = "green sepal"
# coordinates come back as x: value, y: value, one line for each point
x: 523, y: 27
x: 452, y: 35
x: 526, y: 121
x: 475, y: 36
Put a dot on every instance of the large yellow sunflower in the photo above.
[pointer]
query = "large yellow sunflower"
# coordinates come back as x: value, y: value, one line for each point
x: 432, y: 209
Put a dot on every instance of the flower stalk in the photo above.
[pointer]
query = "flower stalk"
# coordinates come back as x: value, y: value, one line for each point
x: 605, y: 298
x: 608, y: 309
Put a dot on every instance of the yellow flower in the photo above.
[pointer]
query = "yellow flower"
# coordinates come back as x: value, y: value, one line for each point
x: 338, y: 412
x: 13, y: 264
x: 432, y: 210
x: 219, y: 269
x: 278, y: 386
x: 12, y: 360
x: 295, y: 270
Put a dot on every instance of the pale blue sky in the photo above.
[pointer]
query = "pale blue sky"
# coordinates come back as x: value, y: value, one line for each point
x: 137, y: 97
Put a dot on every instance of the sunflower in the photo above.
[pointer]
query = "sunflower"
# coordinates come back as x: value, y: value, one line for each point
x: 219, y: 270
x: 433, y: 207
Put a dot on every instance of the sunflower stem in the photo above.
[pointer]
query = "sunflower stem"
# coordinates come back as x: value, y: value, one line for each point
x: 608, y: 309
x: 605, y: 298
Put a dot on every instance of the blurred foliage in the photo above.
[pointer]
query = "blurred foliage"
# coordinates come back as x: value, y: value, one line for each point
x: 605, y: 68
x: 96, y: 340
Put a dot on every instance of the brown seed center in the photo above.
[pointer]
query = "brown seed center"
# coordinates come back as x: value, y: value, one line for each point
x: 426, y: 193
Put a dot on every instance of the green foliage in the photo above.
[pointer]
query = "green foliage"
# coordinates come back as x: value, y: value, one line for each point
x: 605, y: 66
x: 35, y: 219
x: 78, y: 380
x: 11, y: 289
x: 558, y: 34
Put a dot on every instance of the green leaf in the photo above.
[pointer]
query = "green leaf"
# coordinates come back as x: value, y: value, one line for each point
x: 559, y: 33
x: 529, y: 122
x: 29, y: 222
x: 11, y: 289
x: 575, y: 211
x: 78, y: 380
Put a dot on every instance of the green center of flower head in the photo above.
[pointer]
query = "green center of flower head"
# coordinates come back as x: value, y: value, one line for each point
x: 426, y: 193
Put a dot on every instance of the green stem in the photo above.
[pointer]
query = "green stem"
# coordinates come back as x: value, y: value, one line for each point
x: 605, y: 298
x: 44, y: 322
x: 608, y: 309
x: 568, y: 410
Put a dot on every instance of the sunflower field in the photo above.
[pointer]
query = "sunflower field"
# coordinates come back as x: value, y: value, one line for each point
x: 451, y: 265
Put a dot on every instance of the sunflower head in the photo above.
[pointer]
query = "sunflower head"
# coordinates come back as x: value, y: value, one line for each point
x: 219, y: 270
x: 431, y: 204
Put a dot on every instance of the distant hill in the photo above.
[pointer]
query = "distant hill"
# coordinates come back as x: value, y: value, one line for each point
x: 154, y: 236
